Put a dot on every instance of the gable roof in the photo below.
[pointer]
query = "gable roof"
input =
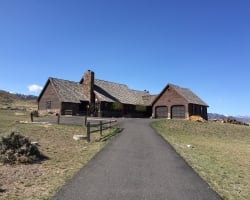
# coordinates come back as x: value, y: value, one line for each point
x: 67, y: 91
x: 186, y: 93
x: 111, y: 92
x: 70, y: 91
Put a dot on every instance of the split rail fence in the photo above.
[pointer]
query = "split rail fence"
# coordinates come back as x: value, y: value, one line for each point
x: 99, y: 127
x: 92, y: 125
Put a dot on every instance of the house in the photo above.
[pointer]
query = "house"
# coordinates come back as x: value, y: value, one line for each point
x: 94, y: 97
x: 91, y: 96
x: 175, y: 102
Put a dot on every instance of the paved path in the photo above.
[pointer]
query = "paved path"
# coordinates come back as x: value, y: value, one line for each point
x: 138, y: 164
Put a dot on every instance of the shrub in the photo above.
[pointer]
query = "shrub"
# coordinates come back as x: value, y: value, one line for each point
x: 117, y: 106
x: 141, y: 108
x: 16, y: 148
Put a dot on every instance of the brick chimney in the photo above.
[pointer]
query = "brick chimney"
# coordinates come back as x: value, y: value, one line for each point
x: 88, y: 85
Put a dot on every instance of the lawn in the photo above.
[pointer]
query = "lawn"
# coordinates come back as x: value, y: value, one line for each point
x: 219, y: 153
x: 66, y: 157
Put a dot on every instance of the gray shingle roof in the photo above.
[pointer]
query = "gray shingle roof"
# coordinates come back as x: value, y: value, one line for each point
x: 111, y: 92
x: 68, y: 91
x: 148, y: 99
x: 188, y: 95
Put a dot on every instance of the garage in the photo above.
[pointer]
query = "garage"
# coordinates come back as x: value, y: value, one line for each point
x: 180, y: 102
x: 161, y: 112
x: 178, y: 112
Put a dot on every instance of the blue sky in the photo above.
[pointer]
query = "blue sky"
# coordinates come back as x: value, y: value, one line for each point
x: 201, y: 45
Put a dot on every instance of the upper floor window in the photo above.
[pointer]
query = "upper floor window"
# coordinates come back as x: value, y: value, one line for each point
x: 48, y: 104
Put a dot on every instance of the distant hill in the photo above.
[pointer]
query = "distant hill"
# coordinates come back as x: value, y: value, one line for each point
x: 216, y: 116
x: 7, y: 98
x: 17, y: 101
x: 26, y: 97
x: 245, y: 119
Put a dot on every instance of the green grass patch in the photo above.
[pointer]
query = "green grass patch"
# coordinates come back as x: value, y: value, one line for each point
x: 219, y: 153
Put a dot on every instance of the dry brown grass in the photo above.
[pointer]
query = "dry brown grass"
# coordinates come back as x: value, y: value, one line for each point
x: 66, y: 156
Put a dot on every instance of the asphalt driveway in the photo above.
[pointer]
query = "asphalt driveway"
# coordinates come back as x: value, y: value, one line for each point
x: 137, y: 164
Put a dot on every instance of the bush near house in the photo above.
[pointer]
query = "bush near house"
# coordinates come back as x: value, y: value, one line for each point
x: 140, y: 108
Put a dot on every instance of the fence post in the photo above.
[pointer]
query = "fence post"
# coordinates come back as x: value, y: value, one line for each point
x: 31, y: 116
x: 85, y: 120
x: 110, y: 126
x: 88, y: 131
x: 58, y: 118
x: 101, y: 128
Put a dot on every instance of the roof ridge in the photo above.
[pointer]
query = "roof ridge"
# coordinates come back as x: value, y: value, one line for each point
x: 60, y: 79
x: 138, y: 90
x: 112, y: 82
x: 177, y: 86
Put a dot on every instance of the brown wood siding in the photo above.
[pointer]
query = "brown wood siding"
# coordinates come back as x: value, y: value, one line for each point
x: 170, y: 98
x: 74, y: 108
x: 49, y: 95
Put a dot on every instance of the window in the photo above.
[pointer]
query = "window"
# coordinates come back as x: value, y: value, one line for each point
x: 48, y: 104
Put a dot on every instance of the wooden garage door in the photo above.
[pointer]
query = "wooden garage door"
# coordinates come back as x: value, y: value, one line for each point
x: 178, y: 112
x: 161, y: 112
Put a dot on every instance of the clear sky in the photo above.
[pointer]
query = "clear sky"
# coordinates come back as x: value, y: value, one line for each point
x: 203, y: 45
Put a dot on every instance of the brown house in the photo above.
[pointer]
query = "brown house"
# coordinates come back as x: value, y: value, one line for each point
x: 107, y: 99
x: 175, y: 102
x: 94, y: 97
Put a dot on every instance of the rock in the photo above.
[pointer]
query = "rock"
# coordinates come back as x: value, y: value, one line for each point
x: 78, y: 137
x: 35, y: 143
x: 85, y: 148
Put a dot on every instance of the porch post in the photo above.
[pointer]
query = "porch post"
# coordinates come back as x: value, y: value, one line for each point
x: 99, y: 114
x: 186, y: 112
x: 169, y: 111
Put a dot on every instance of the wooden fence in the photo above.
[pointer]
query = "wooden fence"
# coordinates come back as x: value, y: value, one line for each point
x: 92, y: 125
x: 99, y: 127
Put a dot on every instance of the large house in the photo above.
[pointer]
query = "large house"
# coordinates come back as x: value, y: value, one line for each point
x: 94, y: 97
x: 107, y: 99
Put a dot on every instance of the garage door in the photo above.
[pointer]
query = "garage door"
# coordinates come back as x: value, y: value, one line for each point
x: 178, y: 112
x: 161, y: 112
